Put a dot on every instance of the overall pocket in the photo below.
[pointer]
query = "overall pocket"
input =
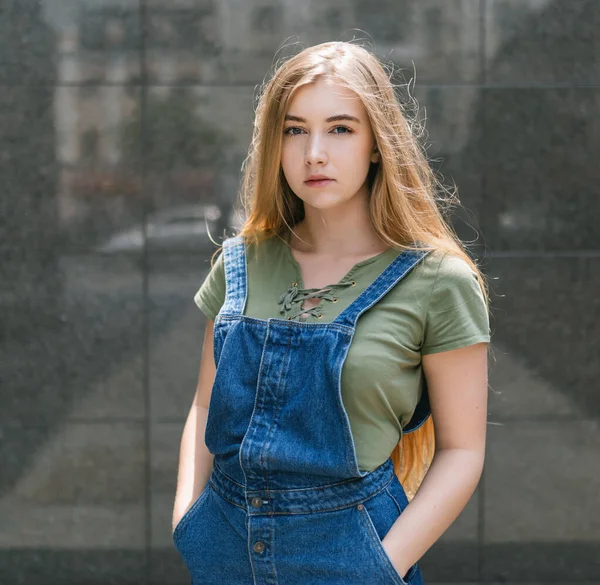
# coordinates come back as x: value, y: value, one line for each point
x: 191, y: 512
x: 378, y: 514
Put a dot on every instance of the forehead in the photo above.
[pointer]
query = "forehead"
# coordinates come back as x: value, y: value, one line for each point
x: 323, y: 98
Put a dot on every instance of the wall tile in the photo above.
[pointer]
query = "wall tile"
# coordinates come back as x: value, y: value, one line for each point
x: 74, y: 177
x: 232, y: 41
x: 66, y: 42
x: 544, y: 332
x: 194, y: 141
x: 74, y: 347
x: 454, y: 143
x: 541, y: 180
x: 77, y: 504
x: 176, y: 333
x: 539, y: 42
x: 541, y: 509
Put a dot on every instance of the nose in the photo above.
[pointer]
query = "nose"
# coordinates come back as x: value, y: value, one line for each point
x: 315, y: 151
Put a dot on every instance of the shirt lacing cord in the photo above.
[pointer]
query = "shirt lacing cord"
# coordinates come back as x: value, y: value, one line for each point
x: 295, y: 295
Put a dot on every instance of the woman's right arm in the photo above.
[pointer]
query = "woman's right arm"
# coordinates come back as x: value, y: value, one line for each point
x: 195, y: 460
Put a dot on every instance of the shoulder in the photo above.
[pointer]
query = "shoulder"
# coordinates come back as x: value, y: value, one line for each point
x: 218, y: 264
x: 443, y: 267
x: 211, y: 294
x: 454, y: 270
x: 425, y: 272
x: 260, y: 255
x: 455, y: 282
x: 455, y: 267
x: 457, y: 314
x: 446, y: 265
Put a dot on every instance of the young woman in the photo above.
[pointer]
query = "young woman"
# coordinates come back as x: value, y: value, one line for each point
x: 343, y: 314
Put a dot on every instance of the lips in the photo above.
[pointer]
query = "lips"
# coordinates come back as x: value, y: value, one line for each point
x: 318, y: 182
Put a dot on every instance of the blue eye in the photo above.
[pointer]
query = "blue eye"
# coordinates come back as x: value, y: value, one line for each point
x: 287, y: 130
x: 343, y: 128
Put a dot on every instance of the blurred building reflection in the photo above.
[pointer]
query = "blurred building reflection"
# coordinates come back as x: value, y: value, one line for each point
x: 102, y: 72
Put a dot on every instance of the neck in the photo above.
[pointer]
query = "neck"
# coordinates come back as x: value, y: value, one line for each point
x: 343, y: 231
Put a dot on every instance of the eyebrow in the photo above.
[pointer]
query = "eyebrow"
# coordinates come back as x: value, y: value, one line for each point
x: 330, y: 119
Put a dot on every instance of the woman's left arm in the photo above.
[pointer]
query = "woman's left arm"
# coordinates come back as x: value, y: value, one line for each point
x: 457, y: 382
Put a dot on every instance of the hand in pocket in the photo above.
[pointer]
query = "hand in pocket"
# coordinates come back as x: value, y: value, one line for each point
x: 402, y: 570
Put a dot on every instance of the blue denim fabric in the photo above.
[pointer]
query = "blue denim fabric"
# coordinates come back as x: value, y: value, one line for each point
x: 286, y: 503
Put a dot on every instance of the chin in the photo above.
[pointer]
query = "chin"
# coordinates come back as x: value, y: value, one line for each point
x: 326, y: 200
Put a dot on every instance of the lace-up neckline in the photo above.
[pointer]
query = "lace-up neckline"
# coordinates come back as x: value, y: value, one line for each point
x: 292, y: 299
x: 297, y: 295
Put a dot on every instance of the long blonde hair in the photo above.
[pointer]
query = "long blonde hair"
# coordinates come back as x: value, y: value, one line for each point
x: 405, y: 206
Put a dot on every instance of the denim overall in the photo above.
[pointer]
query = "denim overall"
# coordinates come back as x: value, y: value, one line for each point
x: 286, y: 503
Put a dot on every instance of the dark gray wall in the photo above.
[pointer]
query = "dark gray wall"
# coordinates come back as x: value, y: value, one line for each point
x: 115, y: 113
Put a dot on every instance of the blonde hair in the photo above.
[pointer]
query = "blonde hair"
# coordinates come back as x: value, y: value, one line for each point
x: 403, y: 187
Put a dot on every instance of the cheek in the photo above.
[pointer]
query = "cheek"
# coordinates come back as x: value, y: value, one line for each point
x: 357, y: 167
x: 285, y: 165
x: 289, y: 163
x: 286, y: 155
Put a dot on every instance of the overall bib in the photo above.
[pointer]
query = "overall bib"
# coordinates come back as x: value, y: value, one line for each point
x: 286, y: 503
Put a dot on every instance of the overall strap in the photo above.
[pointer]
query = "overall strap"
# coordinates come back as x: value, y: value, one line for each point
x: 236, y: 279
x: 395, y: 272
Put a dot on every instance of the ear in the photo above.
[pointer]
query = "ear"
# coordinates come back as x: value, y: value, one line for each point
x: 375, y: 157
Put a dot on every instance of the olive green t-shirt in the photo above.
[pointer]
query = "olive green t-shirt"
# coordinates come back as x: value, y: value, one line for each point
x: 437, y: 306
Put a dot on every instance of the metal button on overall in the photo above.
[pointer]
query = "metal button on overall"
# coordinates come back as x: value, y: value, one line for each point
x: 277, y: 426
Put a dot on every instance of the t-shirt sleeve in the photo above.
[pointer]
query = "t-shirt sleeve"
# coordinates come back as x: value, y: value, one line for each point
x: 456, y: 315
x: 211, y: 295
